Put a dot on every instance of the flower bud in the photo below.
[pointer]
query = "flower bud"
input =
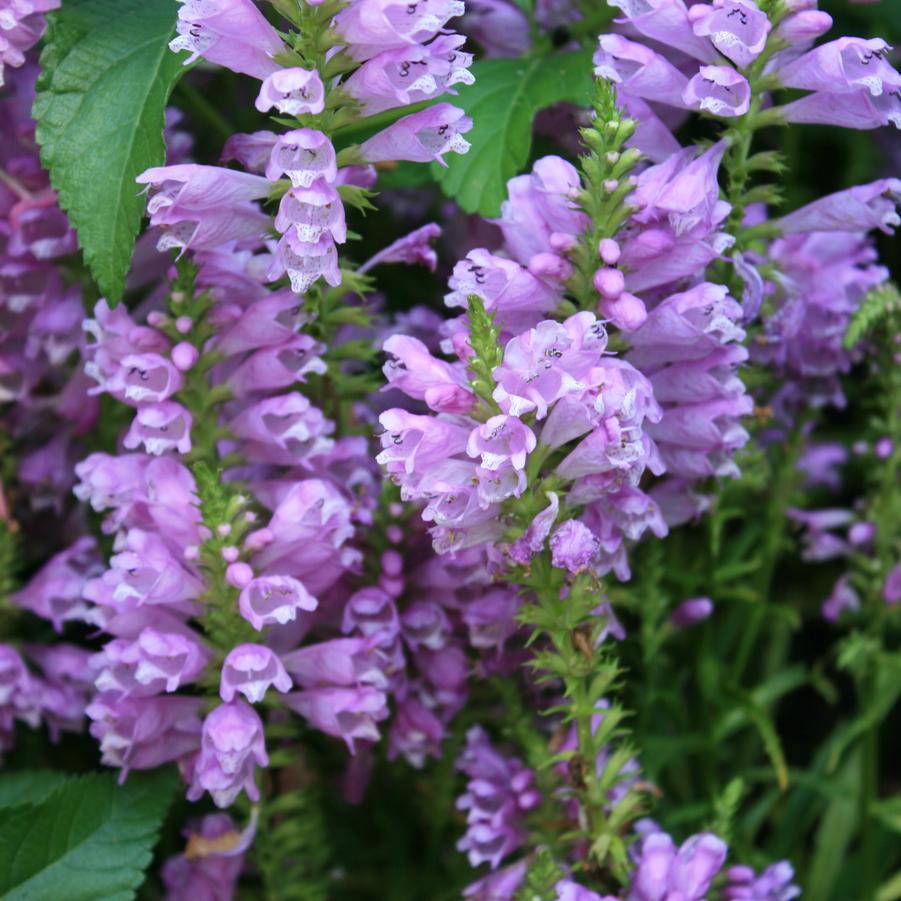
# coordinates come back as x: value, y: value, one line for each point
x: 184, y: 356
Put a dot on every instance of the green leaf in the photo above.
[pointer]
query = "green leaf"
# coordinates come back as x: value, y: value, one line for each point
x: 29, y: 786
x: 106, y: 73
x: 89, y: 839
x: 503, y: 103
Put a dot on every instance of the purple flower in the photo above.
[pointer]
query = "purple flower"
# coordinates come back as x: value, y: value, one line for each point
x: 425, y: 624
x: 861, y: 208
x: 737, y: 28
x: 540, y: 217
x: 294, y: 92
x: 203, y: 207
x: 773, y: 884
x: 443, y: 387
x: 532, y: 540
x: 304, y: 155
x: 420, y: 137
x: 231, y: 33
x: 664, y: 871
x: 416, y: 733
x: 842, y: 66
x: 309, y: 213
x: 369, y: 27
x: 415, y: 247
x: 854, y: 109
x: 209, y: 872
x: 499, y: 791
x: 274, y: 599
x: 232, y: 746
x: 338, y: 662
x: 891, y: 591
x: 153, y: 662
x: 410, y: 73
x: 284, y: 429
x: 160, y: 427
x: 306, y: 262
x: 144, y: 733
x: 573, y: 545
x: 567, y: 890
x: 718, y: 90
x: 351, y: 714
x: 251, y: 669
x: 412, y: 444
x: 55, y: 592
x: 501, y: 441
x: 638, y: 70
x: 691, y: 612
x: 517, y: 298
x: 668, y: 23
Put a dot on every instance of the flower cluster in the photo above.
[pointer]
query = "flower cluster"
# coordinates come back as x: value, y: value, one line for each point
x: 370, y: 57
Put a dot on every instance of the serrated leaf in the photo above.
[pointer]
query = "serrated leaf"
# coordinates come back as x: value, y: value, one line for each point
x: 106, y: 74
x: 29, y: 786
x: 503, y: 103
x: 89, y: 839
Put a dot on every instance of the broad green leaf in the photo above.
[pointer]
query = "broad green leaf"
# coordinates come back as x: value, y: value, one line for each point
x: 89, y: 839
x: 503, y: 103
x: 29, y: 786
x: 106, y: 73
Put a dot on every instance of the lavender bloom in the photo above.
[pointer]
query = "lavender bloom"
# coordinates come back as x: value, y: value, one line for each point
x: 410, y: 73
x: 206, y: 872
x: 573, y: 545
x: 773, y: 884
x: 667, y: 22
x: 443, y: 387
x: 843, y: 65
x: 55, y: 592
x: 825, y: 277
x: 420, y: 137
x: 160, y: 427
x: 843, y: 597
x: 719, y: 91
x: 232, y: 745
x: 663, y: 870
x: 415, y: 247
x: 274, y: 599
x: 351, y: 714
x: 567, y: 890
x: 690, y: 612
x: 891, y: 591
x: 304, y: 155
x: 251, y: 669
x: 370, y: 27
x: 231, y: 33
x: 737, y: 28
x: 639, y: 71
x: 501, y: 441
x: 203, y: 207
x: 153, y: 662
x: 144, y: 733
x: 499, y: 791
x: 295, y: 92
x: 338, y: 662
x: 854, y: 109
x: 861, y: 208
